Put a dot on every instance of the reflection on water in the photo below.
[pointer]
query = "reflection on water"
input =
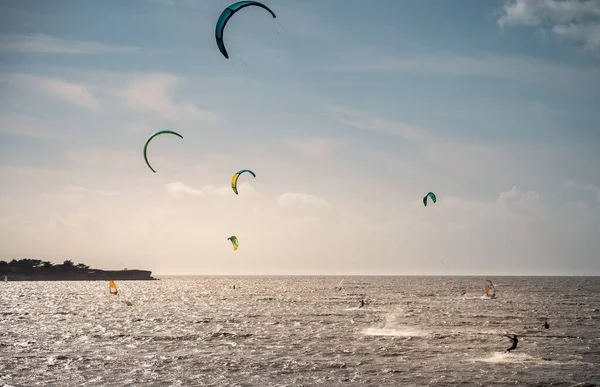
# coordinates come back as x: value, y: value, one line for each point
x: 299, y: 330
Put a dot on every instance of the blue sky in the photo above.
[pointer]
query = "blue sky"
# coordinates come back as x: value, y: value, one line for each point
x: 348, y: 112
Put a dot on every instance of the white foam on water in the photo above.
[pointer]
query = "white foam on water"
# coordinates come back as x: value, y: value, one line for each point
x: 507, y: 357
x: 394, y: 327
x: 402, y: 332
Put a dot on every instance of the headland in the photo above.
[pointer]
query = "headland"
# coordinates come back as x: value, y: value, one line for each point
x: 38, y: 270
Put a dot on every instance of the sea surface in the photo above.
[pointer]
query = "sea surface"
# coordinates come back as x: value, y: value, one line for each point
x: 301, y: 331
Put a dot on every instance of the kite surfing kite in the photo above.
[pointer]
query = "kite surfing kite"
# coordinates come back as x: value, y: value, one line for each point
x: 235, y: 177
x: 227, y: 14
x: 431, y: 195
x: 234, y: 242
x: 150, y: 139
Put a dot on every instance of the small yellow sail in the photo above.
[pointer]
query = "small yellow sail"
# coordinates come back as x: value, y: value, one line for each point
x: 112, y: 288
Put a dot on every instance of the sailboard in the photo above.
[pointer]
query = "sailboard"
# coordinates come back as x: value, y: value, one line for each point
x: 490, y: 289
x: 5, y: 279
x: 112, y: 288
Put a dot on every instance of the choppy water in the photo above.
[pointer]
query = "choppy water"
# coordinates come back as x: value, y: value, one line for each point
x: 198, y: 331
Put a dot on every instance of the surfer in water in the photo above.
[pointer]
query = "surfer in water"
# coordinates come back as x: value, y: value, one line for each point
x: 515, y: 341
x: 362, y: 303
x: 546, y: 325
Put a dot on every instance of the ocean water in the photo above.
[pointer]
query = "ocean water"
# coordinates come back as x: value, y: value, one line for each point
x: 300, y: 331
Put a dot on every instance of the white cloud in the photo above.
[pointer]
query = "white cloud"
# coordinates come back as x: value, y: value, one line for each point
x: 314, y: 147
x: 587, y: 34
x: 139, y: 127
x: 472, y: 160
x: 177, y: 189
x: 25, y: 126
x: 73, y: 219
x: 74, y: 192
x: 368, y: 121
x: 291, y: 199
x: 575, y: 20
x: 154, y: 93
x: 523, y: 69
x: 106, y: 159
x: 163, y: 2
x: 77, y: 94
x: 41, y: 43
x: 584, y: 187
x: 472, y: 236
x: 520, y: 203
x: 537, y: 12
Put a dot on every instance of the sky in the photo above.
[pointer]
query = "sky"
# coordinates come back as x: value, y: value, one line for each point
x: 349, y: 112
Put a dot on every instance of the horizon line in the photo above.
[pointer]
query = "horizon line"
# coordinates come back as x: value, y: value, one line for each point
x: 373, y: 275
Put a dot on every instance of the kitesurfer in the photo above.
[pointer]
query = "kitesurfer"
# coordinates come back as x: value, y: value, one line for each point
x: 546, y: 325
x: 362, y: 303
x: 515, y: 341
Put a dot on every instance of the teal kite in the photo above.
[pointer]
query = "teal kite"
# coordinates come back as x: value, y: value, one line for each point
x: 431, y: 195
x: 226, y: 15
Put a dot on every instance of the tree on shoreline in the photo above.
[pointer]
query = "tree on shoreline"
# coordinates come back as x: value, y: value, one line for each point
x: 32, y: 266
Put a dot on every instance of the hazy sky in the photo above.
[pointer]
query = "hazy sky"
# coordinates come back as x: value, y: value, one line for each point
x: 349, y: 112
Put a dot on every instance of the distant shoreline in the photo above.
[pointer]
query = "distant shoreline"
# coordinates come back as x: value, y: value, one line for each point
x: 96, y: 275
x: 387, y: 275
x: 37, y: 270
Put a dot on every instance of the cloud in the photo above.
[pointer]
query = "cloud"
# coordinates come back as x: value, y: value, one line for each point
x: 73, y: 219
x: 290, y: 199
x: 537, y: 12
x: 139, y: 127
x: 77, y: 94
x: 584, y: 187
x: 40, y: 43
x: 575, y: 20
x: 472, y: 160
x: 72, y: 192
x: 178, y: 189
x: 486, y: 65
x: 314, y: 147
x: 163, y: 2
x: 368, y: 121
x: 586, y: 34
x: 520, y: 203
x: 25, y: 126
x: 106, y: 160
x: 153, y: 93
